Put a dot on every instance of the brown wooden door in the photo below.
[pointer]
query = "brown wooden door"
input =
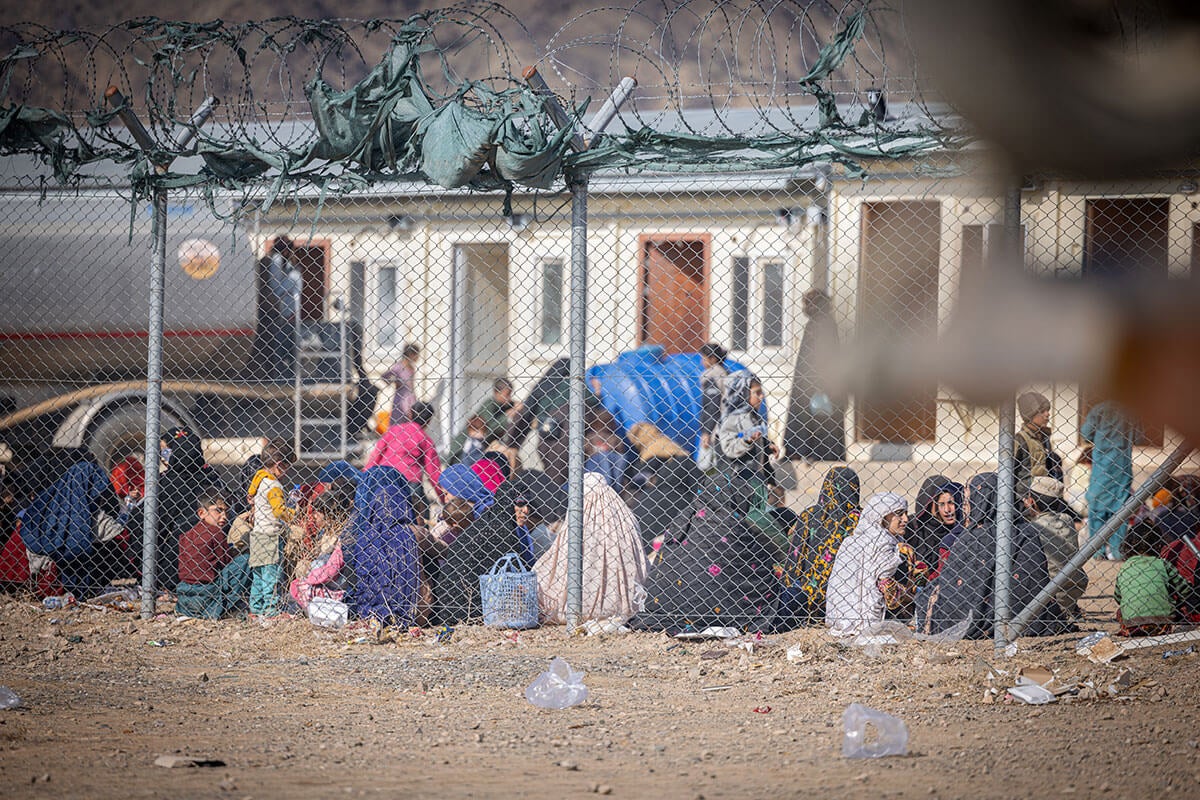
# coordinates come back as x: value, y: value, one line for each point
x: 1126, y: 238
x: 312, y: 260
x: 897, y: 297
x: 674, y: 293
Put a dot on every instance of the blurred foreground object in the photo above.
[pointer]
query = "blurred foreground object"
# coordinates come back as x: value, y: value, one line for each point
x: 1090, y: 88
x: 1086, y: 89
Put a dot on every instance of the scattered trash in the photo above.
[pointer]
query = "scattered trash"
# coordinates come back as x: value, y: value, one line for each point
x: 762, y: 709
x: 362, y: 640
x: 951, y: 634
x: 1011, y: 650
x: 1099, y: 648
x: 415, y: 632
x: 1121, y: 683
x: 127, y: 599
x: 325, y: 612
x: 171, y: 762
x: 557, y: 687
x: 9, y: 699
x: 882, y: 633
x: 892, y: 738
x: 716, y: 688
x: 514, y: 637
x: 1187, y: 651
x: 160, y: 642
x: 598, y: 627
x: 59, y: 601
x: 443, y: 635
x: 713, y: 655
x: 711, y: 632
x: 795, y: 653
x: 1031, y: 693
x: 74, y: 639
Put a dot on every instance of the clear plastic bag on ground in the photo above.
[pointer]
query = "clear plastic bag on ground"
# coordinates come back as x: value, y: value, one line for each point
x: 558, y: 687
x: 891, y: 738
x: 9, y: 699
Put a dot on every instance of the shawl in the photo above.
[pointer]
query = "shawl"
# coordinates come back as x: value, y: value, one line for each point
x: 854, y: 599
x: 614, y: 566
x: 460, y: 480
x: 715, y: 569
x: 339, y: 469
x: 490, y: 473
x: 653, y: 443
x: 490, y: 537
x: 926, y: 531
x: 737, y: 392
x: 811, y: 553
x: 380, y: 550
x: 964, y: 588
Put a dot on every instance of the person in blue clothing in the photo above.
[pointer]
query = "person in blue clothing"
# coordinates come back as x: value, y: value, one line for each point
x: 1112, y: 435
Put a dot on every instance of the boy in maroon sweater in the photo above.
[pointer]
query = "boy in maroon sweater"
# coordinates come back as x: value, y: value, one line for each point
x: 213, y: 578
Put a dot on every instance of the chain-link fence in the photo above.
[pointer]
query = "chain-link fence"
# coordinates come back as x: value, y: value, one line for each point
x: 634, y: 381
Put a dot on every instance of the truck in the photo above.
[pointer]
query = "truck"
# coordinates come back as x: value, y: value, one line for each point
x: 75, y: 261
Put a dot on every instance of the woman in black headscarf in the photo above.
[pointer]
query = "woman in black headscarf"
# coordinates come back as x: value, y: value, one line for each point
x: 936, y: 516
x: 714, y: 568
x: 505, y: 527
x: 186, y: 476
x: 546, y: 411
x: 964, y: 589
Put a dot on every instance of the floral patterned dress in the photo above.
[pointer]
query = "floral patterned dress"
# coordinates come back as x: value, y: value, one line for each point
x: 816, y: 541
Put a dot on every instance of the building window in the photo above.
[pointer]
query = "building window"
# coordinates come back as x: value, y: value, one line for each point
x: 772, y: 304
x: 387, y: 312
x: 759, y: 304
x: 739, y: 337
x: 552, y: 301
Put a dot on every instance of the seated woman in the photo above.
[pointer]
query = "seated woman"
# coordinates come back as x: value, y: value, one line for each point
x: 963, y: 589
x: 70, y: 518
x: 715, y: 569
x: 505, y: 527
x: 380, y: 550
x: 814, y: 545
x: 667, y: 480
x: 861, y: 584
x: 322, y: 571
x: 614, y: 564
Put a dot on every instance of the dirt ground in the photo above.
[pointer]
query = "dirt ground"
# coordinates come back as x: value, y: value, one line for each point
x: 297, y: 711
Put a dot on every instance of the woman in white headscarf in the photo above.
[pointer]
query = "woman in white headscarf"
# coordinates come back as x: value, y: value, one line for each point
x: 864, y: 566
x: 614, y: 564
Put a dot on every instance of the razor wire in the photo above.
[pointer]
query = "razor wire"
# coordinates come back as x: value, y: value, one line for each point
x: 360, y: 315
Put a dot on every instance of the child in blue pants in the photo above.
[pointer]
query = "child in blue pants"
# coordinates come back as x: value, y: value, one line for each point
x: 271, y: 518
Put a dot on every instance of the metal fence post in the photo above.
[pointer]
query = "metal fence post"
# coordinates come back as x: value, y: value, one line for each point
x: 1093, y: 545
x: 1011, y: 257
x: 158, y: 269
x: 575, y: 427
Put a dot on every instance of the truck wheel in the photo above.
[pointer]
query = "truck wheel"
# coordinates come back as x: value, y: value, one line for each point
x: 123, y: 432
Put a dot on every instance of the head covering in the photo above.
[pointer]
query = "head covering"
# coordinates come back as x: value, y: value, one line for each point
x: 614, y: 565
x: 1030, y: 404
x: 653, y: 443
x: 128, y: 477
x: 737, y: 392
x: 822, y: 529
x: 462, y: 481
x: 380, y: 549
x: 983, y: 489
x: 339, y: 469
x: 547, y: 500
x: 490, y: 473
x: 1046, y: 486
x: 878, y: 506
x: 187, y: 451
x: 933, y: 486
